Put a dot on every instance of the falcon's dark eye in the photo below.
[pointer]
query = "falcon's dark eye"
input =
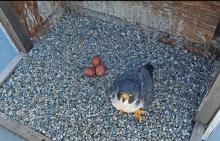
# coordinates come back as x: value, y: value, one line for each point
x: 131, y: 98
x: 118, y: 96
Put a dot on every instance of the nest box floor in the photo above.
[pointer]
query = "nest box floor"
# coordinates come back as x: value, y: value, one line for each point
x: 49, y: 92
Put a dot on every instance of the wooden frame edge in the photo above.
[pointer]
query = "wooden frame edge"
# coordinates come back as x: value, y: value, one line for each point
x: 21, y: 130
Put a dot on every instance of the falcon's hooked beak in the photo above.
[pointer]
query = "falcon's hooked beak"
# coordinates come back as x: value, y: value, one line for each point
x: 125, y: 96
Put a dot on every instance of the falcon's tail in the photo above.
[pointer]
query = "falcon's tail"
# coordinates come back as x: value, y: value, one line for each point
x: 150, y: 68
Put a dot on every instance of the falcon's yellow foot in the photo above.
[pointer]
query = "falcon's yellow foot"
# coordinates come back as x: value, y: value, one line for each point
x: 138, y: 113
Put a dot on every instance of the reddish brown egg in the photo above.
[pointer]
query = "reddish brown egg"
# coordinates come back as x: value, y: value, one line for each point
x: 96, y: 60
x: 89, y: 71
x: 100, y: 70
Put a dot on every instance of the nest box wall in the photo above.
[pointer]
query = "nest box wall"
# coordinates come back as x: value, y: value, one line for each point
x: 194, y: 20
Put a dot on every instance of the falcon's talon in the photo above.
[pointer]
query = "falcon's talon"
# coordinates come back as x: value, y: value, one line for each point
x: 146, y: 113
x: 138, y: 113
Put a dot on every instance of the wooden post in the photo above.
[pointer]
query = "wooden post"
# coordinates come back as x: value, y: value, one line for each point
x: 210, y: 103
x: 21, y: 130
x: 10, y: 68
x: 15, y: 30
x: 213, y: 124
x: 197, y: 132
x: 10, y: 21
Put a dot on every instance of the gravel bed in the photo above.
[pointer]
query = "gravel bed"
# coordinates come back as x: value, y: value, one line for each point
x: 49, y: 92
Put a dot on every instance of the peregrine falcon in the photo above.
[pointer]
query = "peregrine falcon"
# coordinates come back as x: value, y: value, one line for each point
x: 133, y: 90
